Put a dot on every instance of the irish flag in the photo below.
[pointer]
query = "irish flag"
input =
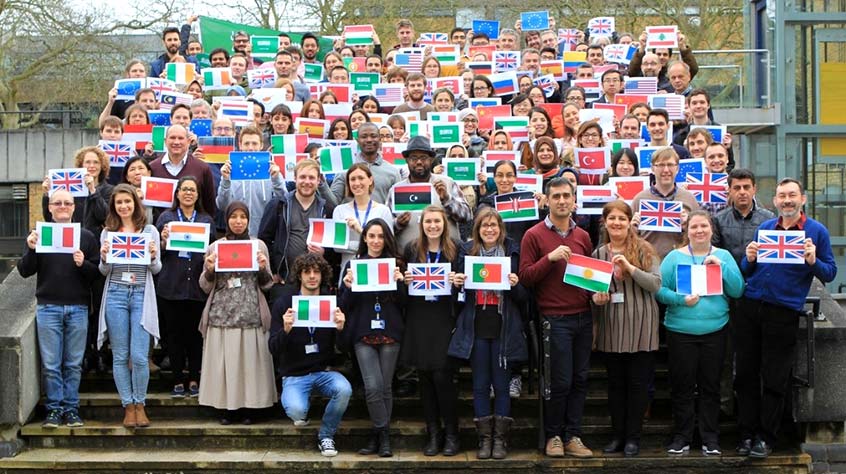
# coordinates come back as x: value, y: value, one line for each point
x: 188, y: 236
x: 487, y: 273
x: 335, y: 159
x: 374, y: 274
x: 314, y: 311
x: 327, y: 233
x: 215, y: 78
x: 180, y: 73
x: 358, y: 34
x: 702, y: 280
x: 57, y: 238
x: 588, y: 273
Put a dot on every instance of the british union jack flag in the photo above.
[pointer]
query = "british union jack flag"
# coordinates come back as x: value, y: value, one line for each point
x: 660, y: 215
x: 128, y: 247
x: 118, y: 152
x: 781, y: 246
x: 506, y: 60
x: 428, y: 277
x: 708, y: 187
x: 71, y: 180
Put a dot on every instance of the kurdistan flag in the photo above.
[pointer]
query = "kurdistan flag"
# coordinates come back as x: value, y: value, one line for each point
x: 588, y: 273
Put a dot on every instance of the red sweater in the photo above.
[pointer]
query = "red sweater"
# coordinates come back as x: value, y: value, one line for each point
x: 537, y: 272
x: 198, y: 169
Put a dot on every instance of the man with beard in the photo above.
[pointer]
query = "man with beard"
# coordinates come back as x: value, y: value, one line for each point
x: 310, y: 48
x: 385, y: 174
x: 416, y: 85
x: 170, y: 38
x: 286, y: 67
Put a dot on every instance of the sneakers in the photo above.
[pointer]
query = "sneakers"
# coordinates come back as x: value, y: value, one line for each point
x: 744, y: 447
x: 73, y: 420
x: 577, y: 449
x: 178, y: 391
x: 327, y: 447
x: 555, y: 447
x: 515, y: 387
x: 299, y: 423
x: 193, y: 390
x: 711, y: 449
x: 53, y: 419
x: 760, y: 449
x: 678, y: 447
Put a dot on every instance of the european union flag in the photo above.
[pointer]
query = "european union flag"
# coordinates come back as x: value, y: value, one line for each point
x: 126, y: 88
x: 488, y: 27
x: 159, y: 117
x: 201, y: 127
x: 530, y: 21
x: 695, y: 166
x: 249, y: 165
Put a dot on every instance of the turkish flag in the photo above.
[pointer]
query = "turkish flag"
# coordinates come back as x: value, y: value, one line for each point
x: 593, y: 160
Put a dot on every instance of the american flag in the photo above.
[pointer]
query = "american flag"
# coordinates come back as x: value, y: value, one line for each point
x: 127, y: 246
x: 672, y: 103
x: 660, y: 215
x: 429, y: 277
x: 568, y: 35
x: 708, y: 187
x: 506, y: 60
x: 601, y: 26
x: 784, y: 246
x: 118, y: 152
x: 547, y: 83
x: 411, y: 62
x: 71, y: 180
x: 641, y: 85
x: 427, y: 39
x: 388, y: 94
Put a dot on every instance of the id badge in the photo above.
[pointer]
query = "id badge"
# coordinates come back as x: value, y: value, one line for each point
x: 431, y: 298
x: 617, y: 297
x: 184, y: 254
x: 311, y: 348
x: 233, y: 283
x: 127, y: 277
x: 461, y: 297
x: 377, y: 324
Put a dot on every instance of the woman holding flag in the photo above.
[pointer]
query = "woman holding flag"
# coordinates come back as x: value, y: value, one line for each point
x: 697, y: 281
x: 489, y: 332
x: 375, y: 328
x: 504, y: 177
x: 429, y: 324
x: 626, y: 325
x: 590, y: 135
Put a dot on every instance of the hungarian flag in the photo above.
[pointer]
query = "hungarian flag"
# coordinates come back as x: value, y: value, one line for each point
x: 702, y: 280
x: 289, y: 144
x: 188, y: 236
x: 158, y: 192
x: 314, y: 311
x: 140, y: 135
x: 376, y: 274
x: 328, y: 233
x: 180, y: 73
x: 487, y: 273
x: 336, y: 159
x: 514, y: 207
x: 412, y: 197
x: 57, y: 238
x: 236, y: 256
x: 216, y: 149
x: 593, y: 160
x: 588, y: 273
x: 216, y: 78
x: 358, y: 35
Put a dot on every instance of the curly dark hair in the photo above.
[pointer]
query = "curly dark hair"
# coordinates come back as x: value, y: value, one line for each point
x: 309, y: 261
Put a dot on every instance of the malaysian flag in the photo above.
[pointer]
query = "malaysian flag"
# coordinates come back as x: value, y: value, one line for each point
x: 71, y: 180
x: 708, y: 187
x: 388, y: 94
x: 118, y: 152
x: 672, y: 103
x: 429, y: 277
x: 427, y: 39
x: 128, y: 247
x: 779, y: 246
x: 662, y: 216
x: 169, y: 99
x: 641, y: 85
x: 506, y: 60
x: 411, y: 62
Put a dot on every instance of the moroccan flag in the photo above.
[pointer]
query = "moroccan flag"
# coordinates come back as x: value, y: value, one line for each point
x: 188, y: 236
x: 514, y: 207
x: 336, y: 159
x: 412, y: 197
x: 702, y: 280
x: 588, y: 273
x: 236, y: 256
x: 314, y: 311
x: 328, y: 233
x: 487, y: 273
x: 158, y: 192
x: 374, y: 274
x: 57, y: 238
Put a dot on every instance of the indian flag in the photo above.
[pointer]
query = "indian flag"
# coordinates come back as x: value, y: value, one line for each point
x: 373, y: 274
x: 446, y: 54
x: 180, y: 73
x: 57, y: 238
x: 358, y: 34
x: 216, y: 78
x: 289, y: 144
x: 588, y: 273
x: 328, y: 233
x: 314, y: 311
x: 335, y: 159
x: 188, y: 236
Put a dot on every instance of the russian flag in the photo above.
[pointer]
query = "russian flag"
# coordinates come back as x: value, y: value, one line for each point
x: 702, y: 280
x: 504, y: 83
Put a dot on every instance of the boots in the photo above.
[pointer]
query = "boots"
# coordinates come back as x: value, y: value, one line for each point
x: 484, y: 428
x: 502, y: 424
x: 385, y: 443
x: 372, y: 444
x: 432, y: 447
x: 451, y: 445
x: 129, y: 416
x: 141, y: 419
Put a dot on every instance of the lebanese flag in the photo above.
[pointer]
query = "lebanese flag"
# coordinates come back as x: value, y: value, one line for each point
x: 588, y: 273
x: 702, y: 280
x: 289, y: 144
x: 57, y: 238
x: 140, y: 135
x: 662, y: 36
x: 158, y: 192
x: 328, y: 233
x: 376, y: 274
x: 314, y: 311
x: 236, y: 256
x: 593, y: 160
x: 487, y: 113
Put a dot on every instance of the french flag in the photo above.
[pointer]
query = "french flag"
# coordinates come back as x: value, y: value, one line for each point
x: 702, y: 280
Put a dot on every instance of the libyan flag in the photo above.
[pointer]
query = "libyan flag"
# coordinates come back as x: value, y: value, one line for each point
x: 216, y: 33
x: 412, y: 197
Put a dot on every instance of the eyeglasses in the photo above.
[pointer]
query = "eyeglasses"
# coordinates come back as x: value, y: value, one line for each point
x: 418, y: 158
x: 575, y: 99
x: 590, y: 135
x: 222, y: 129
x: 62, y: 203
x: 471, y: 120
x: 188, y: 190
x: 480, y: 89
x: 489, y: 225
x: 611, y: 81
x: 664, y: 165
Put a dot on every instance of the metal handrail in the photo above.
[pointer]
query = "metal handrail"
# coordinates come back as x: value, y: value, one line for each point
x: 810, y: 347
x: 767, y: 56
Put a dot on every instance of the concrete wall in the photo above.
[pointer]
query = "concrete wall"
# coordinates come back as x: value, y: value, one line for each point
x: 26, y: 155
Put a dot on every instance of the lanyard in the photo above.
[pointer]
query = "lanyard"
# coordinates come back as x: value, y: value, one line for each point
x: 311, y: 333
x: 437, y: 257
x: 366, y: 213
x: 690, y: 249
x: 182, y: 217
x: 611, y: 255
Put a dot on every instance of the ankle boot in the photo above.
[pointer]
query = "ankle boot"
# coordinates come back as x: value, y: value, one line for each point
x: 484, y: 428
x: 129, y: 420
x: 433, y: 445
x: 372, y: 444
x: 502, y: 424
x: 385, y: 443
x: 141, y: 419
x: 451, y: 444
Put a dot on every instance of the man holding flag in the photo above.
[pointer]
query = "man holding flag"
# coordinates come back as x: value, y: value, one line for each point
x: 63, y: 292
x: 303, y: 355
x: 178, y: 162
x: 172, y: 42
x: 385, y: 174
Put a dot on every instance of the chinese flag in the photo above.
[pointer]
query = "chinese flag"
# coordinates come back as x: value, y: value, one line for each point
x: 487, y: 113
x: 235, y: 255
x: 159, y: 190
x: 554, y: 110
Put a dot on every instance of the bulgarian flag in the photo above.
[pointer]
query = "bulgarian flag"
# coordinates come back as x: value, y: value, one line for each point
x: 702, y: 280
x: 328, y: 233
x: 289, y: 144
x: 376, y: 274
x: 487, y: 273
x: 588, y: 273
x: 236, y: 256
x: 514, y: 207
x: 188, y: 236
x: 336, y: 159
x: 57, y: 238
x: 358, y: 35
x: 180, y: 73
x: 314, y: 311
x: 216, y: 78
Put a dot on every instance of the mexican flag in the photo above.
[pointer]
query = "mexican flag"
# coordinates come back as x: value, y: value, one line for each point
x: 328, y: 233
x: 375, y: 274
x: 514, y: 207
x: 588, y: 273
x: 57, y: 238
x: 188, y: 236
x: 335, y: 159
x: 487, y: 273
x: 314, y: 311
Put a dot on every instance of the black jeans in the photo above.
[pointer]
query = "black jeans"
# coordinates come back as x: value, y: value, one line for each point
x: 439, y: 396
x: 628, y: 384
x: 765, y: 345
x: 571, y: 338
x: 696, y: 363
x: 182, y: 334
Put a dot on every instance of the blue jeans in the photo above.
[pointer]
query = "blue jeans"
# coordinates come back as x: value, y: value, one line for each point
x: 570, y: 341
x: 377, y: 364
x: 295, y: 398
x: 484, y: 362
x: 62, y: 331
x: 129, y: 341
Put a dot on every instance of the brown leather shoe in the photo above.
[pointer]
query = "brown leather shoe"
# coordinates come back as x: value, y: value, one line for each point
x: 129, y: 419
x: 141, y: 416
x: 555, y: 447
x: 577, y: 449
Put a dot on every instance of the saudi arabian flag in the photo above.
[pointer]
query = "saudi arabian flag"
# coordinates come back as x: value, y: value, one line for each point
x: 373, y: 274
x: 314, y: 311
x: 588, y: 273
x: 487, y: 273
x: 159, y: 132
x: 328, y: 233
x: 444, y: 134
x: 313, y: 72
x: 57, y: 238
x: 462, y: 170
x: 335, y: 159
x: 188, y: 236
x: 264, y: 47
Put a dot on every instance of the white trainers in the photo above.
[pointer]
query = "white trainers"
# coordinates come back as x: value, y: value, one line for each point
x: 327, y: 447
x: 515, y: 387
x: 299, y: 423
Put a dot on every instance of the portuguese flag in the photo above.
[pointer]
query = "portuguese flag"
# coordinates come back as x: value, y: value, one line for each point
x: 486, y: 273
x: 412, y: 197
x: 588, y: 273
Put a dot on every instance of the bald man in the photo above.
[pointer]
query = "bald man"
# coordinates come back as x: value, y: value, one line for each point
x: 177, y: 162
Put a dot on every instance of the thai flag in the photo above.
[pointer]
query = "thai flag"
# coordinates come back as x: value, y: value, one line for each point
x: 708, y: 187
x: 665, y: 215
x: 237, y: 111
x: 506, y: 60
x: 411, y: 62
x: 781, y: 245
x: 128, y: 247
x: 427, y: 39
x: 428, y: 277
x: 118, y: 152
x: 71, y: 180
x: 641, y: 85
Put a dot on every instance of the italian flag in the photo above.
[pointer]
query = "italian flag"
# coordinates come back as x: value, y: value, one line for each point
x: 588, y: 273
x: 373, y: 274
x: 328, y: 233
x: 57, y: 238
x: 216, y: 78
x: 188, y: 236
x: 335, y: 159
x: 358, y: 34
x: 314, y: 311
x: 290, y: 144
x: 180, y: 73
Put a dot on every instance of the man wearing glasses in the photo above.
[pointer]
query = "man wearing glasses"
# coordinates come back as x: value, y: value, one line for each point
x: 177, y: 162
x: 241, y: 44
x: 612, y: 82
